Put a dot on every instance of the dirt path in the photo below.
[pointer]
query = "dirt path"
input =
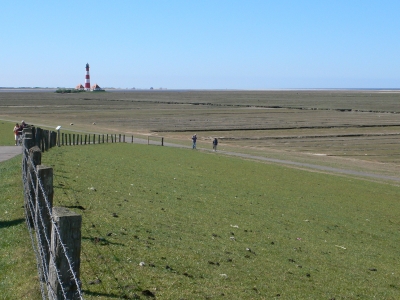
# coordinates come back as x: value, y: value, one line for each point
x: 316, y: 167
x: 7, y: 152
x: 300, y: 165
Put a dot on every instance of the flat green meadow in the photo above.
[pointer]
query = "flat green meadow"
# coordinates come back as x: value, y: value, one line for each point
x: 184, y: 224
x: 6, y: 133
x: 187, y: 224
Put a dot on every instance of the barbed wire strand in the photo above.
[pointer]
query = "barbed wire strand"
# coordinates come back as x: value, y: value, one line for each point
x: 40, y: 249
x: 39, y: 239
x: 24, y: 179
x: 58, y: 235
x: 43, y: 264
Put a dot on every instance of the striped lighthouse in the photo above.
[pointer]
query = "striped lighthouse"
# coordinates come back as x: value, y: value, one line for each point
x: 87, y: 78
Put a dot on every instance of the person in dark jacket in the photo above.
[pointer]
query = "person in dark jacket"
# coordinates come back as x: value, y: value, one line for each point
x: 215, y: 143
x: 194, y: 139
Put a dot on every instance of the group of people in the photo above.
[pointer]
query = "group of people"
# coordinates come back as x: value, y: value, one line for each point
x: 214, y: 143
x: 18, y: 132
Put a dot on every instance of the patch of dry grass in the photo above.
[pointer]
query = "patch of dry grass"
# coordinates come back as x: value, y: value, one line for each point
x: 358, y: 126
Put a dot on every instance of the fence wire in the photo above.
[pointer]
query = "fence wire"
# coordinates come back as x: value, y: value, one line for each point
x: 38, y: 231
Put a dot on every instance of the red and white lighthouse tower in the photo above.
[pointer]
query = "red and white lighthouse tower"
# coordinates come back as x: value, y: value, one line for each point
x: 87, y: 78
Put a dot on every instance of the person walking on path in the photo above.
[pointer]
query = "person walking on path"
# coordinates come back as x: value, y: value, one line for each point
x: 16, y: 134
x: 194, y: 139
x: 215, y: 143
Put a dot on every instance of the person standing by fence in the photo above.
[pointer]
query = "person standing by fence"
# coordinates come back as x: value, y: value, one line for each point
x: 215, y: 143
x: 194, y: 139
x: 16, y: 134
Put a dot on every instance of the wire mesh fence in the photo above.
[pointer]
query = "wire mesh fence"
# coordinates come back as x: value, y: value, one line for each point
x: 57, y: 254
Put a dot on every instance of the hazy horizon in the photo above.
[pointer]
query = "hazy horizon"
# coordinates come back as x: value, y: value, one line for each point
x: 226, y: 44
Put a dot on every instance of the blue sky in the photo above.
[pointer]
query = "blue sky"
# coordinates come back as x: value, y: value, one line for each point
x: 201, y: 44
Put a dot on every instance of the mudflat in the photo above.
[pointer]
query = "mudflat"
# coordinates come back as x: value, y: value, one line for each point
x: 357, y: 129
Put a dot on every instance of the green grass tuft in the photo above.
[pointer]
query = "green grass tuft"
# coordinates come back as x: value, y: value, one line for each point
x: 18, y: 273
x: 6, y: 133
x: 208, y: 226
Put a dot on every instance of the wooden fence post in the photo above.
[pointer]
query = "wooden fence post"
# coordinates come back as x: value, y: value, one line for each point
x: 38, y: 137
x: 69, y: 227
x: 62, y: 139
x: 49, y: 140
x: 148, y: 140
x: 53, y: 139
x: 28, y: 141
x: 162, y: 141
x: 35, y: 159
x: 98, y: 139
x: 103, y: 138
x: 33, y: 130
x: 42, y: 213
x: 44, y: 142
x: 132, y: 138
x: 58, y: 138
x: 81, y: 139
x: 28, y: 133
x: 94, y: 139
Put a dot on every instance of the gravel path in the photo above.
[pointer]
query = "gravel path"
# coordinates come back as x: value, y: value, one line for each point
x: 7, y: 152
x: 300, y: 165
x: 316, y: 167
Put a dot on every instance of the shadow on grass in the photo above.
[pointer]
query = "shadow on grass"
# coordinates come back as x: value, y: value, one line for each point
x: 5, y: 224
x: 76, y: 206
x: 95, y: 294
x: 101, y: 241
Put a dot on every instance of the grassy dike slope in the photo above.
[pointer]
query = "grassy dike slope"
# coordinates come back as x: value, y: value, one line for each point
x: 210, y: 227
x: 18, y: 273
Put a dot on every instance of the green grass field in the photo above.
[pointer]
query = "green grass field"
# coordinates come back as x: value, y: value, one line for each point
x: 209, y: 227
x: 6, y: 133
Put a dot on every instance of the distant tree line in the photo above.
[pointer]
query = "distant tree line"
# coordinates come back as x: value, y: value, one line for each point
x: 64, y: 91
